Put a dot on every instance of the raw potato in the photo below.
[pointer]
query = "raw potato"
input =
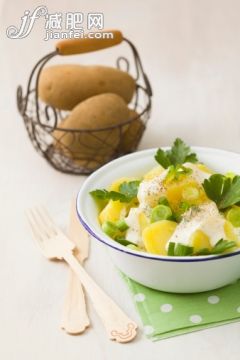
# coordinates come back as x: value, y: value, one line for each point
x: 94, y: 148
x: 133, y: 133
x: 65, y: 86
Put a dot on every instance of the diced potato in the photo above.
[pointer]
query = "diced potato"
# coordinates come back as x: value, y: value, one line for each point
x: 204, y: 168
x: 200, y: 241
x: 156, y: 235
x: 113, y: 211
x: 176, y: 193
x: 115, y: 185
x: 230, y: 232
x: 157, y: 170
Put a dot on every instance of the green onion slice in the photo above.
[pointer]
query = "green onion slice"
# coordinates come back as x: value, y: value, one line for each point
x: 160, y: 212
x: 233, y: 215
x: 122, y: 225
x: 110, y: 229
x: 171, y: 247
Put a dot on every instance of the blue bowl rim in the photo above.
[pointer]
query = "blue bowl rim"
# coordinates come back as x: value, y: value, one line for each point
x: 146, y: 255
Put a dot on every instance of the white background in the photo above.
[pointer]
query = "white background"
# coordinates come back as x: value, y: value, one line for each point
x: 191, y: 52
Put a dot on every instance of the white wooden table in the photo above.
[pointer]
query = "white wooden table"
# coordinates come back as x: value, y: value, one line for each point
x: 190, y: 50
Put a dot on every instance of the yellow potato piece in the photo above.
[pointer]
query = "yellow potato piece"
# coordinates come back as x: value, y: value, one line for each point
x: 230, y: 233
x: 115, y: 185
x: 113, y: 211
x: 200, y: 240
x: 176, y: 190
x: 156, y: 235
x: 157, y: 170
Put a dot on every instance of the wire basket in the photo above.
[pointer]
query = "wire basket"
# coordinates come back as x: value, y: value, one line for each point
x: 42, y: 121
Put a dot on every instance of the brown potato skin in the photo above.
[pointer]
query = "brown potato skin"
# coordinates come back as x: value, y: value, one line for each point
x: 97, y: 112
x: 65, y: 86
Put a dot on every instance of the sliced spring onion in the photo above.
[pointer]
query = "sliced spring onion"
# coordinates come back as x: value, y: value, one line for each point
x: 183, y: 250
x: 179, y: 249
x: 233, y: 215
x: 110, y: 229
x: 124, y: 242
x: 122, y: 225
x: 134, y: 247
x: 171, y: 247
x: 184, y: 206
x: 163, y: 201
x: 160, y: 212
x: 204, y: 251
x: 219, y: 248
x: 222, y: 245
x: 190, y: 193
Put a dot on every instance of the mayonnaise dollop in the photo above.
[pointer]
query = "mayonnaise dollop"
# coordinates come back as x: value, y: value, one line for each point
x: 206, y: 218
x: 151, y: 190
x: 148, y: 195
x: 134, y: 232
x: 198, y: 175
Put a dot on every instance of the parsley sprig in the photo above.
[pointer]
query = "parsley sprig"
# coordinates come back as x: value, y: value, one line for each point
x: 224, y: 191
x: 176, y: 172
x: 127, y: 192
x: 177, y: 155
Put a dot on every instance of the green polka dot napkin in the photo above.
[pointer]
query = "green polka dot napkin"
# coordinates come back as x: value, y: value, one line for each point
x: 165, y: 315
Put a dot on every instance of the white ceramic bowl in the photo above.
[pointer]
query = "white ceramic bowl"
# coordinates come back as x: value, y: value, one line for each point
x: 172, y: 274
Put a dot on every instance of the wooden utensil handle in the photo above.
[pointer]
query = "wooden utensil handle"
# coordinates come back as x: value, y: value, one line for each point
x: 87, y: 44
x: 75, y: 319
x: 118, y: 326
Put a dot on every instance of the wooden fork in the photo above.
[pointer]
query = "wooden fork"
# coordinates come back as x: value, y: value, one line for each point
x: 54, y: 244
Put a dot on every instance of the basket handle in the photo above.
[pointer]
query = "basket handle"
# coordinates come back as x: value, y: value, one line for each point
x: 81, y: 46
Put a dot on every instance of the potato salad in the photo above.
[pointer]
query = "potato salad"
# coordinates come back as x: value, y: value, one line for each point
x: 178, y: 208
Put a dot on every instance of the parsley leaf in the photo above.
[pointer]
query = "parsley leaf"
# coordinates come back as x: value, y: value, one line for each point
x: 162, y: 158
x: 178, y: 154
x: 223, y: 190
x: 127, y: 192
x: 203, y: 251
x: 129, y: 189
x: 107, y: 195
x: 181, y: 153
